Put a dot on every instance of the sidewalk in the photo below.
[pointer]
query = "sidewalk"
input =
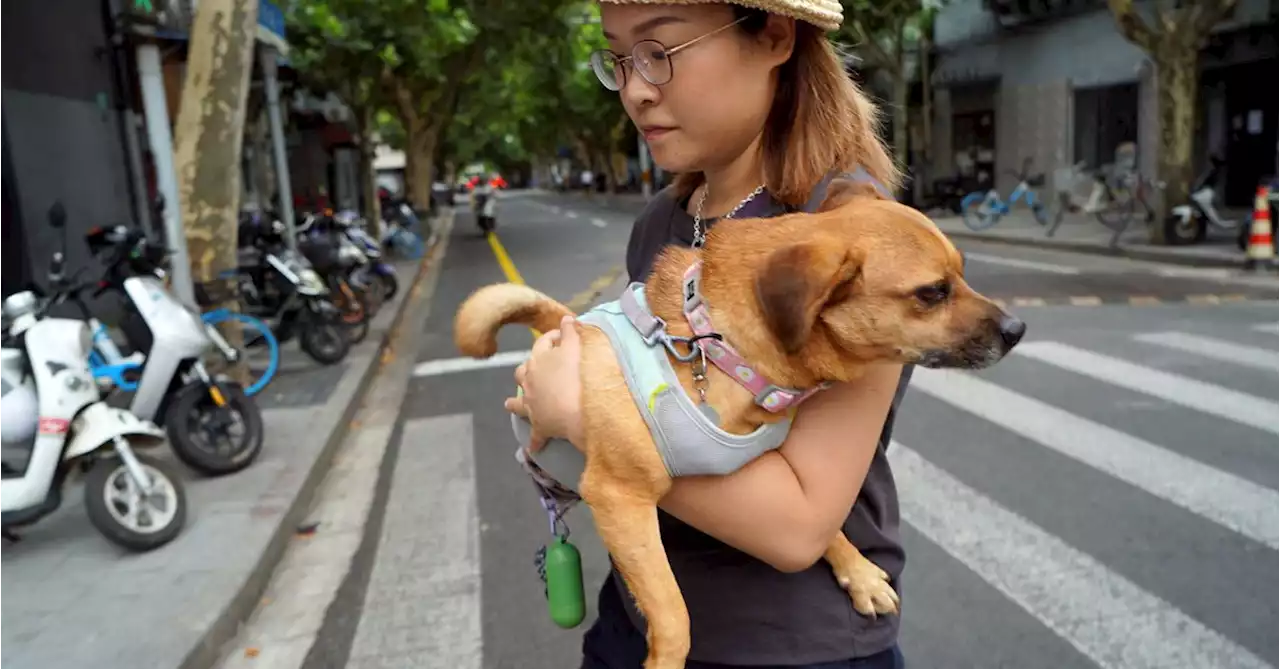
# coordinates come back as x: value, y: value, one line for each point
x: 1084, y: 234
x: 73, y: 600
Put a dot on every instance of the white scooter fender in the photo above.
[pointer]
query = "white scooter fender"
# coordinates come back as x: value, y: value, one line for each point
x: 98, y: 425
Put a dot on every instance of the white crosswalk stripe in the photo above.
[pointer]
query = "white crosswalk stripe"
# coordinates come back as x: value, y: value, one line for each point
x: 1245, y: 507
x: 1210, y: 347
x: 1198, y: 395
x: 1273, y: 328
x: 1108, y: 617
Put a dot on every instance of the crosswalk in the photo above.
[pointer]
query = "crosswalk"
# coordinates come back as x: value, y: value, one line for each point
x: 1060, y: 422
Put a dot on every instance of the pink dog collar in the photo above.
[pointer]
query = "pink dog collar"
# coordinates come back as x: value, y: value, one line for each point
x: 768, y: 396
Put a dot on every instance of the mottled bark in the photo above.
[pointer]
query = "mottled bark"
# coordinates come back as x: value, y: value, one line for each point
x: 368, y: 178
x: 1173, y: 41
x: 419, y: 163
x: 1176, y: 85
x: 208, y: 138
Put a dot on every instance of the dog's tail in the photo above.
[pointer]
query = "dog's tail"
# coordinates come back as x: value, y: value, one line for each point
x: 484, y: 312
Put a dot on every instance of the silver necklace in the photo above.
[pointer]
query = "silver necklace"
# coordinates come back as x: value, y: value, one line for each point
x: 700, y: 237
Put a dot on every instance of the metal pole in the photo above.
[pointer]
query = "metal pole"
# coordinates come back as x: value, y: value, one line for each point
x: 139, y: 176
x: 272, y: 85
x: 646, y: 173
x: 151, y: 81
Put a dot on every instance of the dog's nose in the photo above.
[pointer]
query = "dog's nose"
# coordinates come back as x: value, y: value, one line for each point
x: 1011, y: 330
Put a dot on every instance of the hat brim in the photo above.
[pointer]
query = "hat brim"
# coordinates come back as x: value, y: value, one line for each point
x: 824, y: 14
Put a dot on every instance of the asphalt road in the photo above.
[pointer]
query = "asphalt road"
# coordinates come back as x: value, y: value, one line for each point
x: 1104, y: 498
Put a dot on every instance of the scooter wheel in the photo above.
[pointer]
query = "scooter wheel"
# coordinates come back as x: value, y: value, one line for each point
x: 191, y: 404
x: 326, y: 343
x: 390, y: 286
x: 128, y: 519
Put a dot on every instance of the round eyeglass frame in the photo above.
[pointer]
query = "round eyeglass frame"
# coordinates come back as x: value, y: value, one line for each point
x: 601, y: 66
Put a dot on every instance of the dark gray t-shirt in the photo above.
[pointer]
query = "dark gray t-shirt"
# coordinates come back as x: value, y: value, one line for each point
x: 743, y: 611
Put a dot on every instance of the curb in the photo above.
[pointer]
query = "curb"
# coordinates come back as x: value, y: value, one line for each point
x: 208, y: 651
x: 1091, y: 248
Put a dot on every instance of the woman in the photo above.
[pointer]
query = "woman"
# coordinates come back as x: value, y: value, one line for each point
x: 752, y: 107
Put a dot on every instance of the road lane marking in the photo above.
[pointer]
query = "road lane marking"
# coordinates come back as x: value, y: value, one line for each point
x: 1233, y: 502
x: 508, y: 267
x: 1217, y: 349
x: 455, y: 365
x: 1143, y: 300
x: 1022, y: 264
x: 1273, y: 328
x: 423, y: 601
x: 1104, y: 615
x: 1029, y: 302
x: 1085, y: 301
x: 1209, y: 398
x: 598, y: 222
x: 571, y: 214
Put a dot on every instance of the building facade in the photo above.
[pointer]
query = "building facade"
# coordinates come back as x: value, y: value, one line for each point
x: 64, y: 134
x: 1059, y: 84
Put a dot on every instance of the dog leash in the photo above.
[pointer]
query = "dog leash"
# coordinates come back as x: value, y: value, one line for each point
x: 559, y: 564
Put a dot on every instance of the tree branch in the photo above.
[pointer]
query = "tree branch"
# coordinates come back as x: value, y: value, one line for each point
x: 1132, y: 25
x: 1209, y: 13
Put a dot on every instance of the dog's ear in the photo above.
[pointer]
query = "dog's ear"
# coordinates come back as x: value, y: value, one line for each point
x: 841, y: 191
x: 797, y: 282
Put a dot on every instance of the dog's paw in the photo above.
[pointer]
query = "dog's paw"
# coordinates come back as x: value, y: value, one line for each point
x: 868, y: 586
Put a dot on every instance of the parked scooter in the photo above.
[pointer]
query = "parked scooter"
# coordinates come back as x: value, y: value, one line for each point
x: 330, y: 254
x: 51, y: 409
x: 214, y: 427
x: 1189, y: 223
x: 373, y: 274
x: 280, y: 285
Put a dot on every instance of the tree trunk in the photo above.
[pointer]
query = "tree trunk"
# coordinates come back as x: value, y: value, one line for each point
x: 419, y: 166
x: 368, y: 178
x: 901, y: 121
x: 1176, y: 85
x: 208, y: 138
x: 925, y: 151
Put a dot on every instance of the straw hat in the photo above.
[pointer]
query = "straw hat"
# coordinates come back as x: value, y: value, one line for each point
x: 825, y: 14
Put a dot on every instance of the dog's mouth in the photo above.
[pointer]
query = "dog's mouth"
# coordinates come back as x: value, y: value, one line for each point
x: 975, y: 353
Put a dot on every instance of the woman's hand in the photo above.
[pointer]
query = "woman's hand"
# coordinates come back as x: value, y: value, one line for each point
x: 550, y: 387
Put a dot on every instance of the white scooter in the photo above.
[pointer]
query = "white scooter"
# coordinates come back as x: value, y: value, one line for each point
x: 51, y: 412
x: 213, y: 426
x: 1189, y: 223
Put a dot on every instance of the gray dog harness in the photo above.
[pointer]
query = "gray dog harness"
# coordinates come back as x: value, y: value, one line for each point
x: 687, y: 433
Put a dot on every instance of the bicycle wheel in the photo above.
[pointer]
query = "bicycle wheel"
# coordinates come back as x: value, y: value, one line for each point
x: 976, y: 213
x: 256, y: 334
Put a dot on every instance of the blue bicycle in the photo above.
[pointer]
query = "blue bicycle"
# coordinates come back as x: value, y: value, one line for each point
x: 124, y: 374
x: 981, y: 210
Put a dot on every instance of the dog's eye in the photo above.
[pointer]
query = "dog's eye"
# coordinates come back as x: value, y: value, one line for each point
x: 934, y: 294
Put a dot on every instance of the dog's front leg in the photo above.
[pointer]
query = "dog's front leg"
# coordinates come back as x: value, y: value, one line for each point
x: 866, y: 583
x: 627, y: 520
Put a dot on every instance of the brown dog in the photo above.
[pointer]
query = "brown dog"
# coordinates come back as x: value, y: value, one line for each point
x: 805, y: 298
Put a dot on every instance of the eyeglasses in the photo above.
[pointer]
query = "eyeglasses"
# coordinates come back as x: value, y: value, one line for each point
x: 648, y: 57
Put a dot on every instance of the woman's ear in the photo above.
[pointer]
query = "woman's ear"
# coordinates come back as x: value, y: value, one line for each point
x: 778, y: 39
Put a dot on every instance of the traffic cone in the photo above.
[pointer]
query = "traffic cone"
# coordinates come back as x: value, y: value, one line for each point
x: 1259, y: 255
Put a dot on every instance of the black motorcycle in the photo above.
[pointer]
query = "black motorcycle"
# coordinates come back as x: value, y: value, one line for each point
x: 279, y: 286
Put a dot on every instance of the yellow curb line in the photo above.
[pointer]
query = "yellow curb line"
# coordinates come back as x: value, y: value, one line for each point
x: 1085, y: 301
x: 508, y: 268
x: 1143, y: 300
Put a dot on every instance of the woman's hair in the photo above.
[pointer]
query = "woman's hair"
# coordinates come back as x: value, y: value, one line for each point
x: 820, y: 120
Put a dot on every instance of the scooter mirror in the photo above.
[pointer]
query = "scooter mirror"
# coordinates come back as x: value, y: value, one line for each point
x: 57, y: 216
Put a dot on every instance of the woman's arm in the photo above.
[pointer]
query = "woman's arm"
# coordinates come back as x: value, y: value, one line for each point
x: 785, y: 506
